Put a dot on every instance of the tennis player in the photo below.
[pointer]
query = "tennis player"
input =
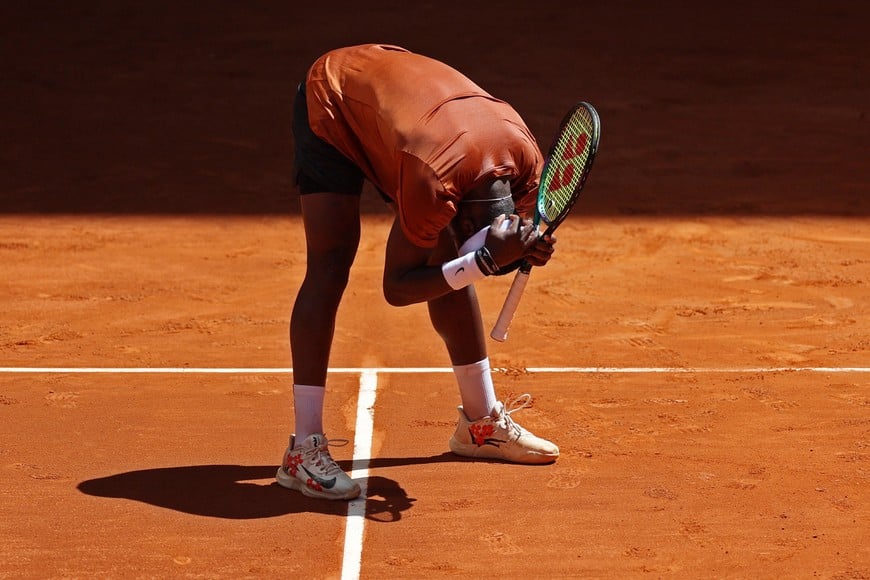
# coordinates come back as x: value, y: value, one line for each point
x: 458, y: 167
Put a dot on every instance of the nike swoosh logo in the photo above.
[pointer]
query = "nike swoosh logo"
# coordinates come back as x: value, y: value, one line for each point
x: 462, y: 269
x: 326, y: 483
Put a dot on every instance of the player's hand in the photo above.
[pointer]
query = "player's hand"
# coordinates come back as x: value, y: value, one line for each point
x: 541, y: 251
x: 512, y: 237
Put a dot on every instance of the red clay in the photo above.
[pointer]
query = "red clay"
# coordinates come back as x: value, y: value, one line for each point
x: 149, y: 222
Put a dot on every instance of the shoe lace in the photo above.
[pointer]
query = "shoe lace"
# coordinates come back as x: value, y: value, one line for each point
x: 321, y: 457
x: 511, y: 406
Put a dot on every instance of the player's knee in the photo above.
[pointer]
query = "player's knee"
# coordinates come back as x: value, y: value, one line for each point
x: 395, y: 297
x: 329, y: 273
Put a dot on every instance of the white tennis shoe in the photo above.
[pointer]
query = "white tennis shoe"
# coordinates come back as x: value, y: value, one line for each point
x: 500, y: 437
x: 310, y: 469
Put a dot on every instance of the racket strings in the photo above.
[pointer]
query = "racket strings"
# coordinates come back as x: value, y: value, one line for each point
x: 567, y: 165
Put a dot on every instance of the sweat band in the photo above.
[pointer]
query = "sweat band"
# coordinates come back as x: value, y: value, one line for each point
x: 462, y: 271
x: 477, y: 241
x: 487, y: 200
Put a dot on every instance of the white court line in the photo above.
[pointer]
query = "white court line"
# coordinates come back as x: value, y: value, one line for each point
x: 417, y: 370
x: 362, y: 450
x: 355, y: 523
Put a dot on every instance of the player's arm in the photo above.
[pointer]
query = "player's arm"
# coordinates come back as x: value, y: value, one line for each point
x: 413, y: 274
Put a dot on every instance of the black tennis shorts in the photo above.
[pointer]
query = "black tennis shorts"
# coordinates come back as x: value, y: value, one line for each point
x: 318, y: 166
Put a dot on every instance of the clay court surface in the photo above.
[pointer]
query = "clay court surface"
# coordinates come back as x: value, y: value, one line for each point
x: 699, y: 347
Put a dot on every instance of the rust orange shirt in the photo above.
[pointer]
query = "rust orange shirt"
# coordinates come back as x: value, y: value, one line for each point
x: 422, y: 132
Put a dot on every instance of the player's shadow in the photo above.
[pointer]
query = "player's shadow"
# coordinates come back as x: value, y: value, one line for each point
x: 248, y: 492
x: 238, y: 492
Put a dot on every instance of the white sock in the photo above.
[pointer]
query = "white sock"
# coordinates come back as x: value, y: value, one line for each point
x: 308, y: 405
x: 475, y: 389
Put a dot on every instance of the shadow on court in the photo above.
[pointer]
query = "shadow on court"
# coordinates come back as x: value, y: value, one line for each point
x: 236, y: 492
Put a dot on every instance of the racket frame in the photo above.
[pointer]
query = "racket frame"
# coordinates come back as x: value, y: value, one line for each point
x: 511, y: 304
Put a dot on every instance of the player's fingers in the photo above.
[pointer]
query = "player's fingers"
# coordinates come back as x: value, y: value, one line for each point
x: 506, y: 223
x: 539, y: 257
x: 537, y: 261
x: 547, y: 244
x: 529, y: 233
x: 540, y: 252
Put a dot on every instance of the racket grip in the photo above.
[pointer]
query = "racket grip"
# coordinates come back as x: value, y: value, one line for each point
x: 500, y: 330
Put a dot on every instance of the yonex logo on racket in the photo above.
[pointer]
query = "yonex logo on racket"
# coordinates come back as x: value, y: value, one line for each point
x: 573, y: 156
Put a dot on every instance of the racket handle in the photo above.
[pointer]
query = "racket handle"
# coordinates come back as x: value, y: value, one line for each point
x: 500, y: 330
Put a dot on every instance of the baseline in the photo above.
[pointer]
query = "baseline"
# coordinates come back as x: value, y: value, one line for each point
x: 417, y: 370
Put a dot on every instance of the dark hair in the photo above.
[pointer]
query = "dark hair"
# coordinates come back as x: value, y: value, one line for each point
x: 503, y: 206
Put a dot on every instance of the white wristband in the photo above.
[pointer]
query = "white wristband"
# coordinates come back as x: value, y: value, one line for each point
x: 462, y: 271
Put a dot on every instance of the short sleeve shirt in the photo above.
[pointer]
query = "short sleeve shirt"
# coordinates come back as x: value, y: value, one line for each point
x: 420, y: 131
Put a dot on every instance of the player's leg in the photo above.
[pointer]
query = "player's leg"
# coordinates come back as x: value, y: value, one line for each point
x: 485, y: 428
x: 329, y: 186
x: 332, y: 233
x: 456, y: 317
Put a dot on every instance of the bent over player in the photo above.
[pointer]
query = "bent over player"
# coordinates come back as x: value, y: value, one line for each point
x: 458, y: 167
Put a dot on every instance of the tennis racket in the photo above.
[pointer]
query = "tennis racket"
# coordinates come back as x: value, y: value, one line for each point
x: 565, y: 171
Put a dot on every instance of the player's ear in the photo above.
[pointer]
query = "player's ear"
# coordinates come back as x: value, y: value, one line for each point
x: 463, y: 225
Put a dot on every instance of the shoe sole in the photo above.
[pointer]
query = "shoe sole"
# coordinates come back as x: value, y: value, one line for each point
x: 291, y: 482
x: 490, y: 452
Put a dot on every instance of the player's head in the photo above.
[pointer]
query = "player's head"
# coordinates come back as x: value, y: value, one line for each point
x: 475, y: 214
x: 480, y: 207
